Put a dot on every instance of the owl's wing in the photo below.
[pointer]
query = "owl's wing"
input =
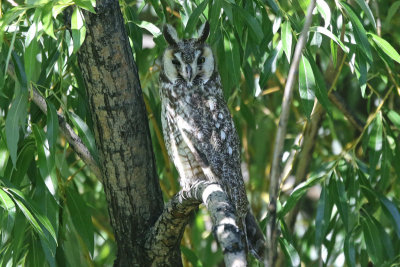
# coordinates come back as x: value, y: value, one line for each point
x: 212, y: 138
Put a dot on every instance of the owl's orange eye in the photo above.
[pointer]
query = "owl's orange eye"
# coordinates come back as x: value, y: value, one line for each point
x: 176, y: 62
x: 201, y: 60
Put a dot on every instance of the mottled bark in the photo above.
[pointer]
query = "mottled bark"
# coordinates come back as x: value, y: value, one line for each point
x: 121, y: 132
x: 168, y: 230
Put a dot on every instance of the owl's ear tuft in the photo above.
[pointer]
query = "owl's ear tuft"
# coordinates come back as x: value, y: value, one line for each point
x: 170, y: 35
x: 204, y: 31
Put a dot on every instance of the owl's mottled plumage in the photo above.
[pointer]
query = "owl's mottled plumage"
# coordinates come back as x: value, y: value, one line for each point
x: 199, y: 132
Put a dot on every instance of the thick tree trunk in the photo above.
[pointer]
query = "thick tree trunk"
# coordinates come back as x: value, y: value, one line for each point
x: 121, y: 132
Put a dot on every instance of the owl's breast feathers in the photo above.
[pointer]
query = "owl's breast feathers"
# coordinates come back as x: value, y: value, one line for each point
x: 201, y: 119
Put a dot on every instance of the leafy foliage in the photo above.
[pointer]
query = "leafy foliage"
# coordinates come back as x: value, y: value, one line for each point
x: 52, y: 208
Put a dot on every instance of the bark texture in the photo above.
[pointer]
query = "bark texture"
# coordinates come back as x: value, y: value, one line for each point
x: 121, y: 132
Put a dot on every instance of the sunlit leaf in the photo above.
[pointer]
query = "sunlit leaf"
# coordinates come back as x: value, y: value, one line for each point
x: 46, y: 164
x: 325, y: 11
x: 286, y: 32
x: 15, y: 120
x: 359, y: 32
x: 47, y: 19
x: 306, y: 86
x: 292, y: 256
x: 85, y: 4
x: 386, y: 47
x: 78, y: 29
x: 375, y: 143
x: 394, y: 117
x: 330, y: 35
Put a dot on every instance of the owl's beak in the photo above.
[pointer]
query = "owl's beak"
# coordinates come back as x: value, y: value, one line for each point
x: 189, y: 72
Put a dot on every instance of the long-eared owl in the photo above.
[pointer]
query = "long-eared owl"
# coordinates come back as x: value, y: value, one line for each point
x: 199, y: 132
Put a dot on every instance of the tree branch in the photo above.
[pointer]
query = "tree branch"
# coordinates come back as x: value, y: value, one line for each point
x: 165, y: 235
x: 280, y: 138
x: 73, y: 139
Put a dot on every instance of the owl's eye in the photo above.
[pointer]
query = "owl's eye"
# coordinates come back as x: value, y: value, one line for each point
x: 176, y: 62
x: 201, y: 60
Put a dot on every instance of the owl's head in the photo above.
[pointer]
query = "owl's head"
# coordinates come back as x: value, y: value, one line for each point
x: 188, y: 60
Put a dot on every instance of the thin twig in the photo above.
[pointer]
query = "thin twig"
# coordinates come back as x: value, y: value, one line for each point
x: 280, y: 138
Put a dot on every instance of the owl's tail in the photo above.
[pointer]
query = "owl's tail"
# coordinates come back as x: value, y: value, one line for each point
x: 254, y: 236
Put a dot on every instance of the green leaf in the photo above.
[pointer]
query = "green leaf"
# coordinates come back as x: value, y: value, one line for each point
x: 252, y: 22
x: 28, y: 207
x: 349, y: 251
x: 153, y: 29
x: 8, y: 223
x: 46, y: 164
x: 306, y: 86
x: 392, y: 11
x: 375, y: 143
x: 299, y: 191
x: 25, y: 157
x: 386, y: 47
x: 85, y: 133
x: 292, y: 256
x: 81, y: 217
x: 286, y: 32
x: 367, y: 11
x: 359, y: 32
x: 328, y: 33
x: 15, y: 120
x: 191, y: 256
x: 338, y: 195
x: 270, y: 64
x: 47, y: 19
x: 85, y: 4
x: 324, y: 210
x: 321, y: 92
x: 78, y: 29
x: 32, y: 65
x: 394, y: 117
x: 28, y: 215
x: 52, y: 127
x: 325, y: 11
x: 372, y: 240
x: 393, y: 213
x: 361, y: 69
x: 194, y: 17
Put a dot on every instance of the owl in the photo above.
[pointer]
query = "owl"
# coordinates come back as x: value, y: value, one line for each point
x: 198, y: 129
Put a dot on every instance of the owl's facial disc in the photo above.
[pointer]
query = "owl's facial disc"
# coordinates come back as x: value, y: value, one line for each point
x: 190, y: 65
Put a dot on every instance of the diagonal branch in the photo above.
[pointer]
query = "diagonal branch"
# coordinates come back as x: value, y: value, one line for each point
x: 280, y: 138
x: 167, y: 232
x: 73, y: 139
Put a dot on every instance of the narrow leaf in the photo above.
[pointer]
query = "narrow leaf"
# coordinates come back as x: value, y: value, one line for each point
x: 375, y: 143
x: 329, y: 34
x: 292, y: 256
x: 386, y: 47
x: 52, y: 127
x: 194, y: 17
x: 359, y: 32
x: 14, y: 121
x: 393, y: 212
x: 78, y: 29
x: 367, y: 11
x: 286, y: 32
x: 85, y: 133
x: 324, y: 210
x: 394, y: 117
x: 298, y: 192
x: 349, y: 251
x: 372, y: 240
x: 85, y: 4
x: 306, y: 86
x: 81, y: 218
x: 339, y: 197
x: 47, y: 19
